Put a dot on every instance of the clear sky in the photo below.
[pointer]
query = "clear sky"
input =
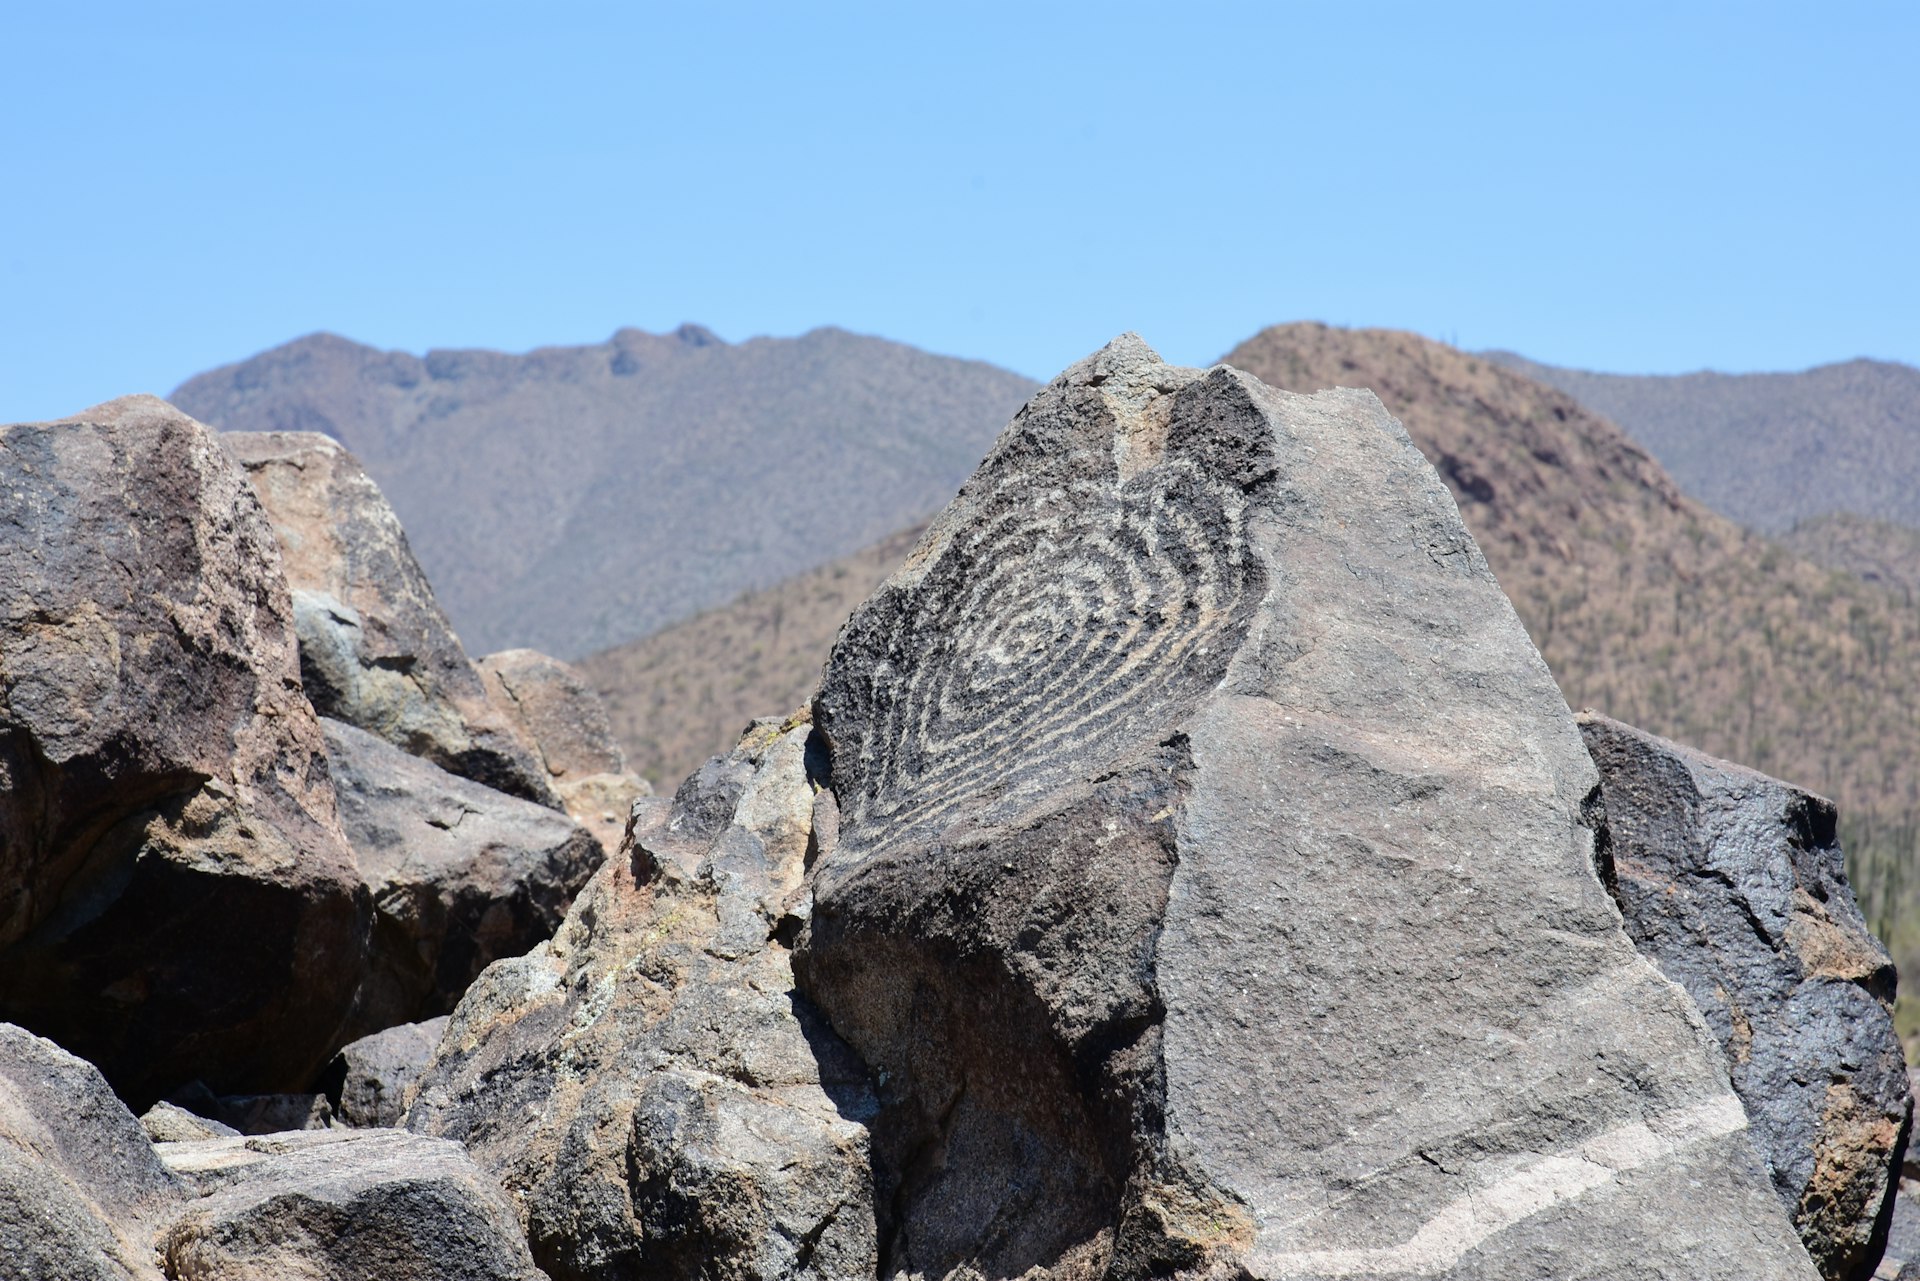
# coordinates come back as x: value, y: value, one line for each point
x: 1616, y: 186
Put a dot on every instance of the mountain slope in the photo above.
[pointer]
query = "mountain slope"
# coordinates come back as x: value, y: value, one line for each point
x: 1770, y: 450
x: 1874, y: 551
x: 576, y: 497
x: 682, y: 694
x: 1652, y: 608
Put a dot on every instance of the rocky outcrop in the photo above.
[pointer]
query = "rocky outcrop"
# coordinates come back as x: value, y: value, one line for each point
x: 340, y: 1206
x: 1734, y: 884
x: 460, y: 874
x: 647, y: 1086
x: 367, y: 1081
x: 82, y: 1194
x: 176, y: 899
x: 565, y: 720
x: 85, y: 1196
x: 555, y: 710
x: 375, y: 649
x: 1213, y: 886
x: 166, y: 1122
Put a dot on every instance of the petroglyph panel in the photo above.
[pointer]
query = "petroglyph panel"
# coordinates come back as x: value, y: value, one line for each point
x: 1075, y: 615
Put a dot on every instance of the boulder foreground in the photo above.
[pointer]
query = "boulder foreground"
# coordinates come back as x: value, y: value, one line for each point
x: 1214, y: 881
x: 1734, y: 884
x: 176, y: 897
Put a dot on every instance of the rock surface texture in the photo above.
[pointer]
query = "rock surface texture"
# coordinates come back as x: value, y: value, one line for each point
x: 176, y: 899
x: 1213, y: 885
x: 1734, y: 884
x: 82, y: 1194
x: 461, y: 875
x: 375, y: 650
x: 367, y: 1081
x: 647, y: 1086
x: 565, y: 720
x: 340, y: 1206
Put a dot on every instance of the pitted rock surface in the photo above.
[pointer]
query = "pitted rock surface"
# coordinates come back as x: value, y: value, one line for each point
x: 1214, y: 891
x: 176, y: 898
x: 1735, y: 885
x: 460, y: 875
x: 82, y: 1195
x: 375, y: 649
x: 339, y: 1206
x: 647, y: 1086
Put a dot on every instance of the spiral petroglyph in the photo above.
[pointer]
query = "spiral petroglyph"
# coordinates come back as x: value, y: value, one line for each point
x: 1078, y: 609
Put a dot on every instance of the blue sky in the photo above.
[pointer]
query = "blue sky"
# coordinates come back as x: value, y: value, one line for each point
x: 1621, y: 187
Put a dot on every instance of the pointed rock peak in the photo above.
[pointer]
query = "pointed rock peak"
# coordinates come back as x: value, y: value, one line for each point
x: 126, y: 411
x: 698, y: 336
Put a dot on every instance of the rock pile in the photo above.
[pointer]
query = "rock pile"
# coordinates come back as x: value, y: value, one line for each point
x: 1187, y: 867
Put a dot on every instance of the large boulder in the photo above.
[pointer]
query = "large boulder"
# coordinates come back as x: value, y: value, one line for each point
x: 648, y: 1086
x: 82, y: 1195
x: 176, y: 898
x: 340, y: 1206
x: 567, y: 723
x: 1735, y: 885
x: 1214, y: 887
x: 375, y: 649
x: 461, y: 875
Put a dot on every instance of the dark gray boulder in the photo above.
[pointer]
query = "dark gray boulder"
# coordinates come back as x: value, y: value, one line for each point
x: 1734, y: 884
x: 82, y: 1194
x: 647, y: 1086
x: 176, y: 898
x: 340, y: 1206
x: 375, y: 649
x: 368, y: 1080
x: 460, y: 874
x: 1213, y: 888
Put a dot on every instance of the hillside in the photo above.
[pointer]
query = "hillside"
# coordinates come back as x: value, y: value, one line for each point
x: 1770, y: 450
x: 1875, y: 551
x: 573, y: 498
x: 682, y: 694
x: 1652, y: 608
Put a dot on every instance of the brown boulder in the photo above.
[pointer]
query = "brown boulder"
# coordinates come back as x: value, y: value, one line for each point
x: 375, y: 649
x: 561, y: 715
x: 648, y: 1086
x: 176, y: 898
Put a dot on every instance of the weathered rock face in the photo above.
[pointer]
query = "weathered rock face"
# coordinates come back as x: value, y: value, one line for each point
x: 460, y: 874
x: 170, y: 1123
x: 1734, y: 884
x: 176, y: 900
x: 647, y: 1086
x: 1213, y: 886
x: 81, y: 1192
x: 340, y: 1206
x: 555, y: 710
x: 375, y: 650
x: 367, y: 1081
x: 565, y: 720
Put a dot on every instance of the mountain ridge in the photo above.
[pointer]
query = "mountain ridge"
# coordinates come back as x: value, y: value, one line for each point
x: 570, y: 498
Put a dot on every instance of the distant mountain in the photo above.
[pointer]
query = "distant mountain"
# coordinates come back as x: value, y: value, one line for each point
x: 573, y: 498
x: 1769, y: 450
x: 682, y: 694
